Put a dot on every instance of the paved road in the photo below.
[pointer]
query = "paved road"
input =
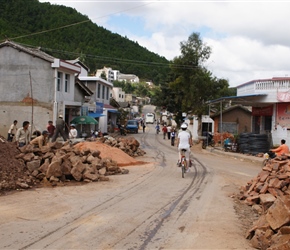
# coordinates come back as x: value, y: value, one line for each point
x: 151, y: 208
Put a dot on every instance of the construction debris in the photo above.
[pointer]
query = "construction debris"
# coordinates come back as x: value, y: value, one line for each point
x: 269, y: 195
x: 56, y: 163
x: 127, y: 144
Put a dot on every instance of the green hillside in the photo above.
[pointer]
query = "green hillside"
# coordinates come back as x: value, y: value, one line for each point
x: 26, y: 22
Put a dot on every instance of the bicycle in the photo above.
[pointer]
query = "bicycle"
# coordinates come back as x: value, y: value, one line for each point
x: 182, y: 162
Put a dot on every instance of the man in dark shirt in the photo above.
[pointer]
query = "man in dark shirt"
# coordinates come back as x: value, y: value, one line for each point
x: 59, y: 129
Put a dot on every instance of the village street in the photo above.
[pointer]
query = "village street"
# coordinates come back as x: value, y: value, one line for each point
x: 150, y: 208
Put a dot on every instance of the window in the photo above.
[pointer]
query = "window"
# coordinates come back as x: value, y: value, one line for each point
x: 99, y: 90
x: 59, y: 81
x: 66, y: 83
x: 108, y: 92
x: 103, y: 92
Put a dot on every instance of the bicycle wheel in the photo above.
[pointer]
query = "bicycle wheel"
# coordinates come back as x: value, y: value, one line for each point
x: 182, y: 170
x: 183, y: 166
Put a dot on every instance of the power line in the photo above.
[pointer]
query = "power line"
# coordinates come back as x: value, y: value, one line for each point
x: 78, y: 23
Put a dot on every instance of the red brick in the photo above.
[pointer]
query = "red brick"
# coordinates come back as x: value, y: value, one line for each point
x: 263, y: 176
x: 264, y: 189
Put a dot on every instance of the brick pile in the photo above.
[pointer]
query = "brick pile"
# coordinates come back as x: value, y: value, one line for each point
x: 269, y: 194
x: 220, y: 137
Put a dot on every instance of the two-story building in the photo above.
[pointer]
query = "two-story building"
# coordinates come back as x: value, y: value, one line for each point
x: 270, y: 101
x: 99, y: 104
x: 37, y: 87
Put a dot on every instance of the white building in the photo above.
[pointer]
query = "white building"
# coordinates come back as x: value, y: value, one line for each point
x: 270, y: 101
x: 99, y: 104
x: 118, y: 94
x: 111, y: 75
x: 128, y: 78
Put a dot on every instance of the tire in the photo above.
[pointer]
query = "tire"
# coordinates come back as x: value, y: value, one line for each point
x: 203, y: 145
x: 182, y: 170
x: 183, y: 167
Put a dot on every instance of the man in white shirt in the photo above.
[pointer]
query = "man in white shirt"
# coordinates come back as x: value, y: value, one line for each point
x: 12, y: 131
x: 184, y: 142
x: 23, y: 135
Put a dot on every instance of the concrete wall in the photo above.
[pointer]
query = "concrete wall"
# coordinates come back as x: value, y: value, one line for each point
x: 13, y: 111
x: 15, y: 81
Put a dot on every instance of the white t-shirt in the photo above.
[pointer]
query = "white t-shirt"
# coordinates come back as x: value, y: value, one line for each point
x: 73, y: 133
x: 184, y: 137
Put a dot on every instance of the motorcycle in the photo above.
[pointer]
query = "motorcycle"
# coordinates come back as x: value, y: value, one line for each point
x: 208, y: 140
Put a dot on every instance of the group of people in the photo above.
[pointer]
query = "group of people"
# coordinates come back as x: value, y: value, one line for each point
x: 22, y: 135
x: 169, y: 132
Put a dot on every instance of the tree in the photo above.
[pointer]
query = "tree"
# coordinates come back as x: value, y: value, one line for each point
x: 190, y: 85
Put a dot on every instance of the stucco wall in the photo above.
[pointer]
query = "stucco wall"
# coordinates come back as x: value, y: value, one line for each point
x: 239, y: 116
x: 15, y: 81
x: 21, y: 113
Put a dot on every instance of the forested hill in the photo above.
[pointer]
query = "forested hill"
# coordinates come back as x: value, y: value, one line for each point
x: 25, y: 22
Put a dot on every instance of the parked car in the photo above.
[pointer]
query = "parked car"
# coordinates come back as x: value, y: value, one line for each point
x: 132, y: 126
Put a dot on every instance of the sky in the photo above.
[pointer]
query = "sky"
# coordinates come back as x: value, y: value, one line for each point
x: 249, y: 39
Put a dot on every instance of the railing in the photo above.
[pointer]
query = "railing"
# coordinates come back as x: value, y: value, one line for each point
x: 272, y: 84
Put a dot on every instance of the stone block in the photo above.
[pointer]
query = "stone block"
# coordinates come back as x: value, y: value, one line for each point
x: 264, y: 189
x: 278, y: 214
x: 77, y: 170
x: 54, y: 169
x: 263, y: 176
x: 266, y: 201
x: 28, y: 157
x: 33, y: 165
x: 66, y: 167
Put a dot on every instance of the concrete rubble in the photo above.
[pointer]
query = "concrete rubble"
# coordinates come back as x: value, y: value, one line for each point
x: 269, y: 195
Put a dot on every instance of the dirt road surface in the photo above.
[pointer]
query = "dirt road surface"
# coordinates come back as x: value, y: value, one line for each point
x: 150, y: 208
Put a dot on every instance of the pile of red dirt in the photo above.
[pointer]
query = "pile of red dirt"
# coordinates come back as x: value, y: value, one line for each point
x: 11, y: 169
x: 107, y: 151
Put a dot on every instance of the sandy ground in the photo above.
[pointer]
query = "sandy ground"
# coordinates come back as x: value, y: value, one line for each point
x: 150, y: 208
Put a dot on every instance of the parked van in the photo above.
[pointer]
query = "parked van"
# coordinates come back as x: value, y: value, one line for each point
x: 149, y: 118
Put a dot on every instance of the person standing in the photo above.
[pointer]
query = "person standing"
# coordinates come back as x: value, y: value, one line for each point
x: 41, y: 140
x: 168, y: 131
x: 164, y: 130
x: 173, y: 134
x: 12, y: 131
x: 59, y: 129
x: 23, y: 135
x: 144, y: 126
x: 50, y: 128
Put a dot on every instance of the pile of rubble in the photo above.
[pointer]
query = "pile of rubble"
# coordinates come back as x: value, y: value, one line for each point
x: 269, y: 195
x: 55, y: 163
x: 127, y: 144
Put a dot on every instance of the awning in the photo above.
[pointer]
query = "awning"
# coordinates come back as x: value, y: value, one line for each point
x: 113, y: 111
x: 95, y: 115
x: 246, y: 100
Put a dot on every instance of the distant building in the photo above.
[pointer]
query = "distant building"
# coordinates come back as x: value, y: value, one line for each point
x: 128, y: 78
x: 111, y: 75
x: 118, y: 94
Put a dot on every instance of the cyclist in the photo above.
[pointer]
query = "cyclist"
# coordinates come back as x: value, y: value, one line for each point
x: 157, y: 129
x: 184, y: 142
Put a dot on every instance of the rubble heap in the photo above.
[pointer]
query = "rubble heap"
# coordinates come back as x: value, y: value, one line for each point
x: 54, y: 163
x: 269, y: 195
x: 129, y: 145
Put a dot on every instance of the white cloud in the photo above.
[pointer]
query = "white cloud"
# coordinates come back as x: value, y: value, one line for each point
x: 249, y: 40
